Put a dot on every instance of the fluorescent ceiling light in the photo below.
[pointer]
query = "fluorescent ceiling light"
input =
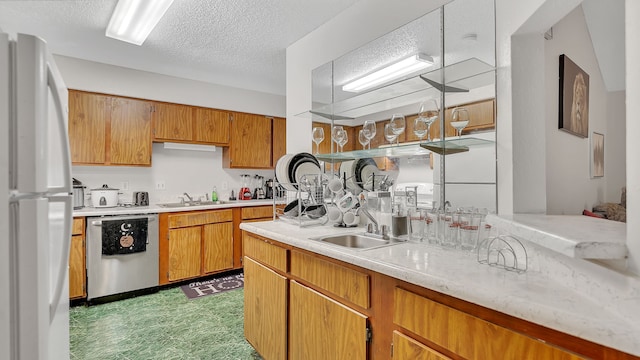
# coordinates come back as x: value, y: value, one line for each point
x: 403, y: 67
x: 133, y: 20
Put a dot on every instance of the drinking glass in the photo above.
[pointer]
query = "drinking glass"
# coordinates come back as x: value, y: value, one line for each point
x: 460, y: 119
x: 369, y: 128
x: 362, y: 137
x: 429, y: 111
x: 398, y: 125
x: 389, y: 135
x: 416, y: 223
x: 318, y: 137
x: 420, y: 127
x: 343, y: 138
x: 336, y: 134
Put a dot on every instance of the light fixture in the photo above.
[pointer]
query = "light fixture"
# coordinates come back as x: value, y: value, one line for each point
x: 190, y: 147
x: 133, y: 20
x: 400, y: 68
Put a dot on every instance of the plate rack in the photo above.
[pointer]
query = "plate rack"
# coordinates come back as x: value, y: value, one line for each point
x: 304, y: 202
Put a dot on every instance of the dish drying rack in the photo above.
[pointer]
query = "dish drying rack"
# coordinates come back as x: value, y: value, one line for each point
x: 503, y: 251
x: 311, y: 208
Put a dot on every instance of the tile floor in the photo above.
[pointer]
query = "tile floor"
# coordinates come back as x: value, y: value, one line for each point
x: 165, y: 325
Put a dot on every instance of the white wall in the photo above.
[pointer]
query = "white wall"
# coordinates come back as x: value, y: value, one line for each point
x: 632, y: 46
x: 570, y: 188
x: 615, y: 171
x: 182, y: 171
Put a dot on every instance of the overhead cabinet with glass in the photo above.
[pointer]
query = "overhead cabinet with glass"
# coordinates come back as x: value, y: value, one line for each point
x: 449, y: 55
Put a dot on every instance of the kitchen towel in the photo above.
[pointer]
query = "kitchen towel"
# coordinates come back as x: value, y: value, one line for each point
x: 200, y: 289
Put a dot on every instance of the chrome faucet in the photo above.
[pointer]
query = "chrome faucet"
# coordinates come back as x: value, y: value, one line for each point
x: 188, y: 197
x: 361, y: 209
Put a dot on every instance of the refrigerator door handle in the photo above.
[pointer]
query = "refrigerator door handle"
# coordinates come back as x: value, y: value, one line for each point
x: 65, y: 248
x: 56, y: 90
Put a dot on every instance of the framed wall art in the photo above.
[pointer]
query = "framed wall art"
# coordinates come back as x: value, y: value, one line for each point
x: 597, y: 155
x: 574, y: 98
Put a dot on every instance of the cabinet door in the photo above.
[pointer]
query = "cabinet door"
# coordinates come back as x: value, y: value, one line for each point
x: 405, y: 348
x: 250, y: 145
x: 211, y: 126
x: 184, y: 253
x: 88, y: 114
x: 218, y: 246
x: 172, y: 122
x: 130, y: 132
x: 265, y: 310
x: 77, y: 268
x: 321, y: 328
x: 279, y: 139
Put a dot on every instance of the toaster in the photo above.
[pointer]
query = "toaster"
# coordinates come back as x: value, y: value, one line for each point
x: 141, y: 198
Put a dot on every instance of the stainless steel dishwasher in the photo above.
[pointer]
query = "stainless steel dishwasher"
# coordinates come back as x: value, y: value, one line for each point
x: 122, y: 254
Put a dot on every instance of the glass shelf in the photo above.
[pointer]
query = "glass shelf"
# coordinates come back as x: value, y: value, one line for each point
x: 447, y: 147
x: 462, y: 76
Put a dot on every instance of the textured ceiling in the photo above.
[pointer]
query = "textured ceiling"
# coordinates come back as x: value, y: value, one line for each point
x: 238, y: 43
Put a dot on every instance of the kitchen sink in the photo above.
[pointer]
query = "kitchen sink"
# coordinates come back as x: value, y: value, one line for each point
x: 357, y: 241
x: 192, y: 203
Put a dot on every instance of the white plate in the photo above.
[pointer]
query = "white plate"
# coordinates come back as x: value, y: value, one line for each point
x: 306, y: 168
x: 366, y: 171
x: 282, y: 167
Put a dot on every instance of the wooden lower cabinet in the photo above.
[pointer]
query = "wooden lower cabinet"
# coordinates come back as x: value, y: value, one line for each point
x: 194, y: 244
x: 265, y: 310
x: 321, y: 328
x: 77, y: 261
x: 329, y: 320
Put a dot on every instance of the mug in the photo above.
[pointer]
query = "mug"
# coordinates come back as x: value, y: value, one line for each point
x: 335, y: 185
x: 350, y: 218
x: 335, y: 215
x: 347, y: 202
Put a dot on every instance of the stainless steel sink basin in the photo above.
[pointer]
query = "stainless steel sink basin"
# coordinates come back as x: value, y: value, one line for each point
x: 357, y: 241
x: 192, y: 203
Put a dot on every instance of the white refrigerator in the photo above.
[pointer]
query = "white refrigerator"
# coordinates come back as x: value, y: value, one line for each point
x: 35, y: 203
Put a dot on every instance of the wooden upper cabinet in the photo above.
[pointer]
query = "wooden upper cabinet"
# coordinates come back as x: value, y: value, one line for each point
x: 130, y: 132
x: 481, y: 116
x: 279, y: 138
x: 109, y: 130
x: 172, y: 122
x: 211, y: 126
x: 250, y: 143
x: 88, y: 116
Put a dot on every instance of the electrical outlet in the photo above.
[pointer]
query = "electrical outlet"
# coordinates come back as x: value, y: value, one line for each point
x: 124, y: 185
x: 225, y: 185
x: 160, y: 185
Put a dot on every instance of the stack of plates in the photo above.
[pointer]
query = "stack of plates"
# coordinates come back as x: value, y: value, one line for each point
x: 358, y: 172
x: 291, y: 167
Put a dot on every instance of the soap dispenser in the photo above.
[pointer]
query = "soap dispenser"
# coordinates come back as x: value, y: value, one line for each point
x: 214, y: 194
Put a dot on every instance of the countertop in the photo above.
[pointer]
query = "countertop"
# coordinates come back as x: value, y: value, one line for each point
x: 574, y: 298
x: 155, y: 209
x: 576, y: 236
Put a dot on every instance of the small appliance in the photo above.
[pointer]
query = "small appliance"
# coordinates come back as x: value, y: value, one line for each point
x: 104, y: 197
x: 259, y: 192
x: 141, y: 198
x: 245, y: 190
x: 269, y: 189
x: 78, y: 194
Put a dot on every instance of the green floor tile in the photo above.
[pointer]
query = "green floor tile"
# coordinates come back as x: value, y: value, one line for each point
x: 165, y: 325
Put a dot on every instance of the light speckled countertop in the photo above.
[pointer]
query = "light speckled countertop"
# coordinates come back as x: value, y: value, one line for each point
x: 155, y: 209
x: 569, y: 295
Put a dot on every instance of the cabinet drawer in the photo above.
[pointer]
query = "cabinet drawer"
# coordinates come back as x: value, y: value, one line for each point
x: 78, y: 226
x: 257, y: 212
x: 349, y: 284
x: 265, y: 252
x: 200, y: 218
x: 405, y: 348
x: 467, y: 335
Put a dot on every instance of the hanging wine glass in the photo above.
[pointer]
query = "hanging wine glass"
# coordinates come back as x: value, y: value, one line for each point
x: 363, y: 139
x: 389, y: 134
x: 398, y: 125
x: 318, y: 137
x: 460, y: 119
x: 429, y: 111
x: 369, y: 128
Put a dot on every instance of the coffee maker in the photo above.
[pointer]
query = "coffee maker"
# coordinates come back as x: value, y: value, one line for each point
x: 269, y: 189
